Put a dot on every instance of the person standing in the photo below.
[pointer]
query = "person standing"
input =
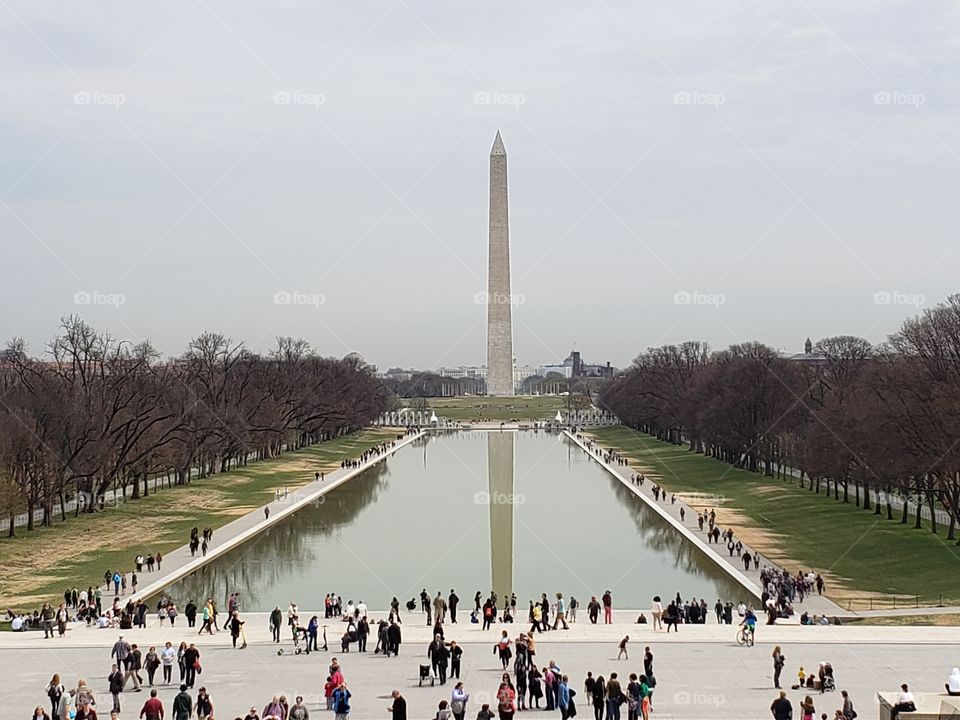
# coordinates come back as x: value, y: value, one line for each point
x: 182, y: 705
x: 456, y: 653
x: 452, y: 603
x: 778, y: 662
x: 276, y: 620
x: 848, y: 712
x: 458, y: 701
x: 236, y: 627
x: 393, y: 639
x: 607, y: 608
x: 151, y: 661
x: 116, y: 686
x: 152, y: 709
x: 622, y: 648
x: 648, y: 666
x: 341, y: 701
x: 398, y: 710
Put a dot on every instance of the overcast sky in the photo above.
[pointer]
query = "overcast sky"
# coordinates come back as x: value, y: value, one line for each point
x: 687, y: 170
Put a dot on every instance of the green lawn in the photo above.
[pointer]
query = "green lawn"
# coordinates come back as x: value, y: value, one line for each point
x: 863, y: 554
x: 39, y: 565
x: 520, y: 407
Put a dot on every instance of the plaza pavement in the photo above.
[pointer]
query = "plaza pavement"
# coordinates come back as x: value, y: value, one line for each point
x: 701, y: 671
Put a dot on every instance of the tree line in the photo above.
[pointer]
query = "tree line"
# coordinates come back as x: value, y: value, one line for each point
x: 846, y: 419
x: 97, y: 414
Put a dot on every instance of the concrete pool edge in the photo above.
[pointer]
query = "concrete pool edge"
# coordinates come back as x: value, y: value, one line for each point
x: 684, y: 531
x: 255, y: 522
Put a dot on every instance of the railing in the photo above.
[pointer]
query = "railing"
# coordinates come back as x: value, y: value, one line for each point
x: 887, y: 602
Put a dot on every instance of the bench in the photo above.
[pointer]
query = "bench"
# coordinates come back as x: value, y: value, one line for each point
x: 930, y: 706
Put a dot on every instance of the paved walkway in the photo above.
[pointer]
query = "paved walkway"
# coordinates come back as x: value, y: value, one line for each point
x: 814, y: 604
x: 180, y: 563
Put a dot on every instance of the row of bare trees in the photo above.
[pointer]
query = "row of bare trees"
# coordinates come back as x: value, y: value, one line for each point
x: 848, y: 416
x: 98, y: 414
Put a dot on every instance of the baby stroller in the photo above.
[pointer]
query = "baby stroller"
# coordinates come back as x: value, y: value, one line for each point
x: 299, y: 641
x: 424, y: 674
x: 827, y: 684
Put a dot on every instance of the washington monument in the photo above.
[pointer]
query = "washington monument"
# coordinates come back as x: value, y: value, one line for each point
x: 499, y: 322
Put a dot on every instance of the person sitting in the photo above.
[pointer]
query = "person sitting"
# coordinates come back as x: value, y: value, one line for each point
x: 16, y: 625
x: 642, y: 620
x: 953, y: 682
x: 905, y: 702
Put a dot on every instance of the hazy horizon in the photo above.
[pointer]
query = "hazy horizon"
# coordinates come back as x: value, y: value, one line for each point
x: 758, y: 172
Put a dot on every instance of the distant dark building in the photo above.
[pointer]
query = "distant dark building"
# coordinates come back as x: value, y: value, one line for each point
x: 808, y: 357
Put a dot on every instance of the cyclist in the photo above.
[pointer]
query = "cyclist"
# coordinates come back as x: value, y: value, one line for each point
x: 749, y: 623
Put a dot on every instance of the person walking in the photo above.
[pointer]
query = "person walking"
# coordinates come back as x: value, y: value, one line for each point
x: 656, y: 611
x: 778, y: 662
x: 298, y: 711
x: 168, y: 657
x: 456, y: 653
x: 614, y: 697
x: 204, y: 704
x: 115, y: 679
x: 502, y: 648
x: 55, y: 691
x: 236, y: 627
x: 153, y: 708
x: 782, y: 708
x: 152, y: 662
x: 622, y: 651
x: 506, y: 701
x: 182, y: 705
x: 438, y: 654
x: 191, y: 661
x: 563, y: 697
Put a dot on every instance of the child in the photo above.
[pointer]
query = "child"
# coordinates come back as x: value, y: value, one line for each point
x: 485, y: 713
x: 623, y: 648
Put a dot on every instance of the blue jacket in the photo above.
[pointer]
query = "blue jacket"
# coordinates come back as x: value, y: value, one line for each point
x: 563, y: 698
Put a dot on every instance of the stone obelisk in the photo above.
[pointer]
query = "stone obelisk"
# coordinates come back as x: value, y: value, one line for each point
x: 499, y: 322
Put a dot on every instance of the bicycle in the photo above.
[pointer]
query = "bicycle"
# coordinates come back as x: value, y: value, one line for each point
x: 745, y: 637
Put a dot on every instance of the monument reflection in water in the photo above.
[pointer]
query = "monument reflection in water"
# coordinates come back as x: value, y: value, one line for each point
x: 525, y: 512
